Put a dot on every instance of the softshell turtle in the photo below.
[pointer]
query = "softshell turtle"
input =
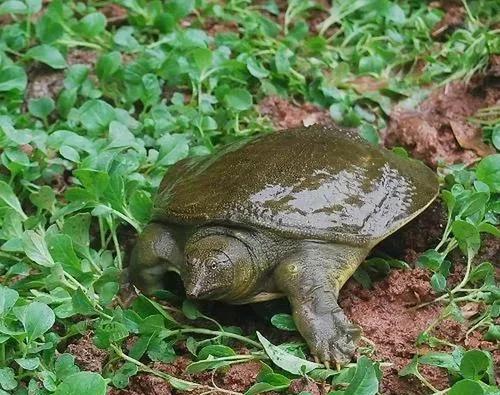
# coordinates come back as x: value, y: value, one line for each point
x: 290, y: 214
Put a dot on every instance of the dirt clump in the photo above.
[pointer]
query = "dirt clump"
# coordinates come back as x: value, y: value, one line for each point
x: 304, y: 385
x: 44, y: 82
x: 440, y: 129
x: 143, y: 384
x: 213, y: 27
x: 285, y: 114
x: 385, y: 316
x: 240, y: 377
x: 87, y: 355
x: 453, y: 18
x: 115, y: 14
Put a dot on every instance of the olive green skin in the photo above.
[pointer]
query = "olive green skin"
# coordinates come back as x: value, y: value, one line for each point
x: 290, y: 214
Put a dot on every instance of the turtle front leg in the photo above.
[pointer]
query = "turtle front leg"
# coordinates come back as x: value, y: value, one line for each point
x: 156, y: 252
x: 312, y: 278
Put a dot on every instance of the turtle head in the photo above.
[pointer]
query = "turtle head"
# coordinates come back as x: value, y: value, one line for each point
x: 214, y: 266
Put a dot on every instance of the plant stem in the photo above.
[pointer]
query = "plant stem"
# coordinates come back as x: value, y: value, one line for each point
x: 203, y: 331
x: 458, y: 288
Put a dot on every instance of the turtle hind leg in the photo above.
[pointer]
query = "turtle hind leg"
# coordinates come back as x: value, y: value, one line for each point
x: 312, y: 278
x: 156, y: 252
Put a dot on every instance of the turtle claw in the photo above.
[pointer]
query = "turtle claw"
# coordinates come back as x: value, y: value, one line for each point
x: 330, y: 335
x: 338, y: 366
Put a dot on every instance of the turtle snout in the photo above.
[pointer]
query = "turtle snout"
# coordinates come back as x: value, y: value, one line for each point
x: 194, y: 291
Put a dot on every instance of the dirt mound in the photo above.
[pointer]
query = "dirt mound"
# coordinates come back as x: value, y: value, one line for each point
x: 440, y: 129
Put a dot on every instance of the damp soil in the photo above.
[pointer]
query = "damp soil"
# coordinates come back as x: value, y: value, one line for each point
x: 441, y: 129
x: 286, y: 114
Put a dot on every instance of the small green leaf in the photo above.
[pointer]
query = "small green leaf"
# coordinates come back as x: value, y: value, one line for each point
x: 65, y: 366
x: 77, y: 228
x: 141, y: 346
x: 122, y: 376
x: 13, y: 78
x: 202, y: 57
x: 239, y: 99
x: 474, y: 364
x: 396, y: 14
x: 7, y: 379
x: 82, y: 383
x: 284, y: 322
x: 365, y: 381
x: 481, y: 272
x: 438, y: 282
x: 66, y: 101
x: 256, y: 69
x: 488, y: 171
x: 173, y: 147
x: 141, y: 206
x: 215, y: 350
x: 190, y: 310
x: 466, y: 387
x: 28, y: 363
x: 13, y: 7
x: 493, y: 333
x: 467, y: 236
x: 37, y: 319
x: 42, y: 107
x: 152, y: 89
x: 8, y: 197
x: 69, y: 153
x: 371, y: 64
x: 443, y: 360
x: 495, y: 137
x: 210, y: 363
x: 410, y: 369
x: 285, y: 360
x: 161, y: 351
x: 36, y: 249
x: 96, y: 115
x: 8, y: 298
x: 92, y: 24
x: 82, y: 303
x: 49, y: 55
x: 61, y: 249
x: 108, y: 64
x: 44, y: 198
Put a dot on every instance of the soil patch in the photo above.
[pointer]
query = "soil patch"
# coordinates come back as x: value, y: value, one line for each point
x: 285, y: 114
x: 385, y: 317
x: 440, y: 130
x: 453, y: 18
x: 87, y: 355
x: 115, y: 14
x: 236, y: 378
x: 46, y: 82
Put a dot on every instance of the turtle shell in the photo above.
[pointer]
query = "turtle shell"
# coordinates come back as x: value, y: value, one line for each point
x: 317, y: 183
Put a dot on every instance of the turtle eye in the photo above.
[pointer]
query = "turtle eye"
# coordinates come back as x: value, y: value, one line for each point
x: 213, y: 265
